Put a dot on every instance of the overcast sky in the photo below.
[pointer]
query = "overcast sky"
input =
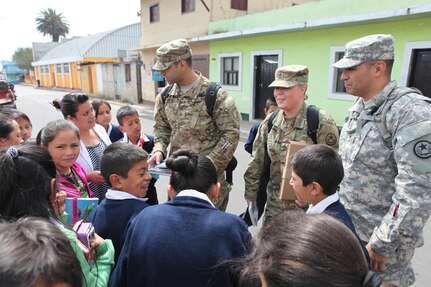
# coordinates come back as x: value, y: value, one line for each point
x: 18, y: 25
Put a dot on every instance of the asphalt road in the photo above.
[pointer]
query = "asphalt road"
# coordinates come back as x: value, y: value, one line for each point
x: 35, y: 102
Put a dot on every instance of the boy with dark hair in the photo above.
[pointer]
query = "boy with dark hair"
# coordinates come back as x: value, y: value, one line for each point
x: 317, y: 171
x: 130, y: 125
x: 125, y: 168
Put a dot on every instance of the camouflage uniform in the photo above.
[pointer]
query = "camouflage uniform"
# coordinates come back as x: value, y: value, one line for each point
x: 282, y: 131
x: 387, y: 192
x: 183, y: 121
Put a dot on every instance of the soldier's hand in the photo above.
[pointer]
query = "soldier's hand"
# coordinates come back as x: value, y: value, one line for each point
x: 378, y: 261
x: 156, y: 158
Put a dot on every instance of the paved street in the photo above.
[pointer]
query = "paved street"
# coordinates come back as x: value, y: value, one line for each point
x: 35, y: 103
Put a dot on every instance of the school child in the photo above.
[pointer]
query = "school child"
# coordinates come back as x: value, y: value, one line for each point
x: 61, y: 139
x: 317, y: 171
x: 125, y: 169
x: 9, y: 131
x: 130, y: 124
x: 102, y: 111
x: 270, y: 106
x: 24, y: 123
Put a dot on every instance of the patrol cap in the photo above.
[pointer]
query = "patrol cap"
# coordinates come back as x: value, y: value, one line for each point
x: 172, y: 52
x: 368, y: 48
x: 289, y: 76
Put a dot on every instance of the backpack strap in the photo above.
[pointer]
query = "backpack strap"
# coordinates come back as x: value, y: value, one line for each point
x: 379, y: 114
x: 165, y: 92
x: 271, y: 119
x: 211, y: 96
x: 312, y: 122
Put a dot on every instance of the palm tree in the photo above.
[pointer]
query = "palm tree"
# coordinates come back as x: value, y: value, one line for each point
x: 51, y: 23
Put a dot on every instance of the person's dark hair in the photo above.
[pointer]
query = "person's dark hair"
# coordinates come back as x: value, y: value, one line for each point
x: 69, y: 104
x: 6, y: 125
x: 118, y: 158
x: 17, y: 115
x: 39, y: 137
x: 97, y: 103
x: 51, y: 130
x: 13, y: 113
x: 125, y: 111
x: 270, y: 102
x: 190, y: 171
x: 51, y: 260
x: 189, y: 61
x: 307, y: 251
x: 25, y: 179
x: 319, y: 163
x: 389, y: 65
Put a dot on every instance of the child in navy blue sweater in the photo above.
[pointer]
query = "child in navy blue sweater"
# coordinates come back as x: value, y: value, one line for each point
x: 125, y: 169
x: 317, y: 171
x: 130, y: 124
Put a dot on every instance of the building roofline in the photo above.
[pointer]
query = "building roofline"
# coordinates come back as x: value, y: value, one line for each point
x: 320, y: 23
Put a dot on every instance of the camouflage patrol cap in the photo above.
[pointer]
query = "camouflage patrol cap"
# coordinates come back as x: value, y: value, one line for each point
x: 368, y: 48
x: 172, y: 52
x: 289, y: 76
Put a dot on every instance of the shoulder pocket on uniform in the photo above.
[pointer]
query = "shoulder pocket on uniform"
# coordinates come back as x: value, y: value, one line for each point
x: 416, y: 141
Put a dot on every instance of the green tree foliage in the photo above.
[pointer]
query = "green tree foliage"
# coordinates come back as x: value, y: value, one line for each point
x: 51, y: 23
x: 23, y: 57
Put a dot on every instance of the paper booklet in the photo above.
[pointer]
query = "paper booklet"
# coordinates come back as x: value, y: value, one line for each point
x: 160, y: 169
x: 286, y: 190
x: 81, y: 209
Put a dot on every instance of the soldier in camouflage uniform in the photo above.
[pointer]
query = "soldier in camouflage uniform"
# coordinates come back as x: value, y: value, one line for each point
x: 290, y: 124
x: 183, y: 120
x: 386, y: 187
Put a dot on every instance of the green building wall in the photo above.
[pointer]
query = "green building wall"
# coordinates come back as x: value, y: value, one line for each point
x: 311, y: 47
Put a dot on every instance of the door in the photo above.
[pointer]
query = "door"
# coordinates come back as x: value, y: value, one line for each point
x: 117, y: 81
x: 420, y: 72
x: 264, y: 70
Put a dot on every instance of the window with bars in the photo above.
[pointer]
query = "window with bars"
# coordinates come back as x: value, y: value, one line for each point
x: 187, y: 6
x: 58, y: 68
x: 154, y: 13
x: 339, y: 84
x: 239, y: 5
x: 66, y: 68
x: 230, y: 71
x: 128, y: 73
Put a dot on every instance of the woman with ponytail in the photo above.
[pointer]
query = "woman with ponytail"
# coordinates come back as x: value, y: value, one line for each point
x: 182, y: 242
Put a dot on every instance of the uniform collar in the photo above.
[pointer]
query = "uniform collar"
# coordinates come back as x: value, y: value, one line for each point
x: 121, y: 195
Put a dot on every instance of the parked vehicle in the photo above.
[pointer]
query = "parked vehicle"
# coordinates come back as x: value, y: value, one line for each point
x: 7, y: 97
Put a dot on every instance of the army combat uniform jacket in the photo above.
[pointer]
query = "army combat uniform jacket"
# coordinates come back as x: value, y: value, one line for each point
x: 282, y: 131
x: 388, y: 191
x: 184, y: 123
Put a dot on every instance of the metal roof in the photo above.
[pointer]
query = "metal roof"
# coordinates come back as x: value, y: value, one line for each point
x: 101, y: 45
